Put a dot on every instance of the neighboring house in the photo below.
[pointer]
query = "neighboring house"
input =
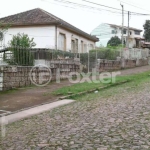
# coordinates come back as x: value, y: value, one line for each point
x: 48, y: 31
x: 105, y: 31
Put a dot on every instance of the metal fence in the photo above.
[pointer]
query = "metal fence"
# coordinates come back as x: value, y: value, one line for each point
x: 29, y: 57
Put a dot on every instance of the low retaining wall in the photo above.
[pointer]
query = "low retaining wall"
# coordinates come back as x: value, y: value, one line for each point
x: 108, y: 65
x: 16, y: 77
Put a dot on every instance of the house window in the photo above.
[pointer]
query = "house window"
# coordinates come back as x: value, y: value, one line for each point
x: 62, y: 42
x: 82, y: 47
x: 114, y: 32
x: 124, y: 31
x: 130, y: 33
x: 76, y: 47
x: 137, y: 32
x: 73, y: 45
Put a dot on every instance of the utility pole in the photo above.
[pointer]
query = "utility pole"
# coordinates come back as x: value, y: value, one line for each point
x: 88, y: 58
x: 128, y: 28
x: 122, y: 26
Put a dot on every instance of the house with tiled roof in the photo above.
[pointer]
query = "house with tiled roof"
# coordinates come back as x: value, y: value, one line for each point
x: 106, y: 31
x: 48, y: 31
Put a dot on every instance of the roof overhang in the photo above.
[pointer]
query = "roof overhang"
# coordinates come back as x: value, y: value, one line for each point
x: 59, y: 24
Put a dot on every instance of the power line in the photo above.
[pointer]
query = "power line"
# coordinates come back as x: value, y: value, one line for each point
x: 134, y: 13
x: 96, y: 8
x: 101, y: 5
x: 83, y: 6
x: 133, y: 5
x: 86, y: 6
x: 137, y: 4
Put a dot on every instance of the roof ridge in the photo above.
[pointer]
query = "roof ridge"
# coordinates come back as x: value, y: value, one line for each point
x: 19, y: 13
x: 124, y: 26
x: 38, y: 16
x: 51, y: 15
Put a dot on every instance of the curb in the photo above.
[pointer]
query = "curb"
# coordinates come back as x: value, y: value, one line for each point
x: 10, y: 113
x: 96, y: 89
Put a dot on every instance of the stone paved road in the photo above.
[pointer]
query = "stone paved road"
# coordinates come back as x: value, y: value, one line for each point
x: 118, y: 121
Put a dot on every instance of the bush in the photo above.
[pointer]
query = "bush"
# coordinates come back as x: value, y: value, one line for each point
x: 20, y: 46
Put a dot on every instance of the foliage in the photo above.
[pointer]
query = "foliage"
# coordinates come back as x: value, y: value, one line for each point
x: 147, y: 30
x: 20, y: 47
x: 135, y: 81
x: 114, y: 41
x: 102, y: 53
x: 76, y: 88
x: 22, y: 40
x: 60, y: 53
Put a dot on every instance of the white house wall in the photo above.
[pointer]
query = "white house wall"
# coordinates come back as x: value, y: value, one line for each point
x: 104, y: 33
x: 69, y: 36
x: 44, y: 36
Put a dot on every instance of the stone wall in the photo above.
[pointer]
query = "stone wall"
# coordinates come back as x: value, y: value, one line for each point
x: 108, y: 65
x: 16, y: 77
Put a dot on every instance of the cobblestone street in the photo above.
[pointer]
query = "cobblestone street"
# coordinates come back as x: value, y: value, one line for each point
x: 116, y: 119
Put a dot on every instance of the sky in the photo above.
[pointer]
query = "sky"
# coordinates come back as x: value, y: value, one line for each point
x: 83, y: 18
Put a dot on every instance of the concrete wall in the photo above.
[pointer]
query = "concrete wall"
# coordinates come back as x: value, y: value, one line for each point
x: 107, y: 65
x: 1, y: 79
x: 135, y: 53
x: 16, y: 77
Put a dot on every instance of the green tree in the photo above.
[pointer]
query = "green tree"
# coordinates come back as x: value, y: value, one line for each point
x: 20, y: 46
x: 147, y: 30
x: 114, y: 41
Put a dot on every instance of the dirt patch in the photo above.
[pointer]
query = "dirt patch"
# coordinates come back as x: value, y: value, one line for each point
x: 29, y: 97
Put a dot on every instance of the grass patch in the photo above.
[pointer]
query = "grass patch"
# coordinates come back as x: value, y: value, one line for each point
x: 137, y: 83
x: 135, y: 79
x: 76, y: 88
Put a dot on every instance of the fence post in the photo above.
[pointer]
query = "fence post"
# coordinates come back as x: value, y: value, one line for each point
x: 137, y: 62
x: 122, y: 63
x: 1, y: 78
x: 88, y: 58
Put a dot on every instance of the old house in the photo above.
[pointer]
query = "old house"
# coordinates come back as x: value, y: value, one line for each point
x: 105, y: 31
x: 48, y: 31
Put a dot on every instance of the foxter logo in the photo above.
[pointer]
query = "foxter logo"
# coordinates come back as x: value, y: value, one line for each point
x: 40, y: 75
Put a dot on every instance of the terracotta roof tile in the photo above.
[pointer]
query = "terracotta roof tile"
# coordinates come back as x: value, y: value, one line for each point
x: 41, y: 17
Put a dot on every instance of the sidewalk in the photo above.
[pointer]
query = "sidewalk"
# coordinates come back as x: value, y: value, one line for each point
x: 30, y: 97
x: 33, y: 111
